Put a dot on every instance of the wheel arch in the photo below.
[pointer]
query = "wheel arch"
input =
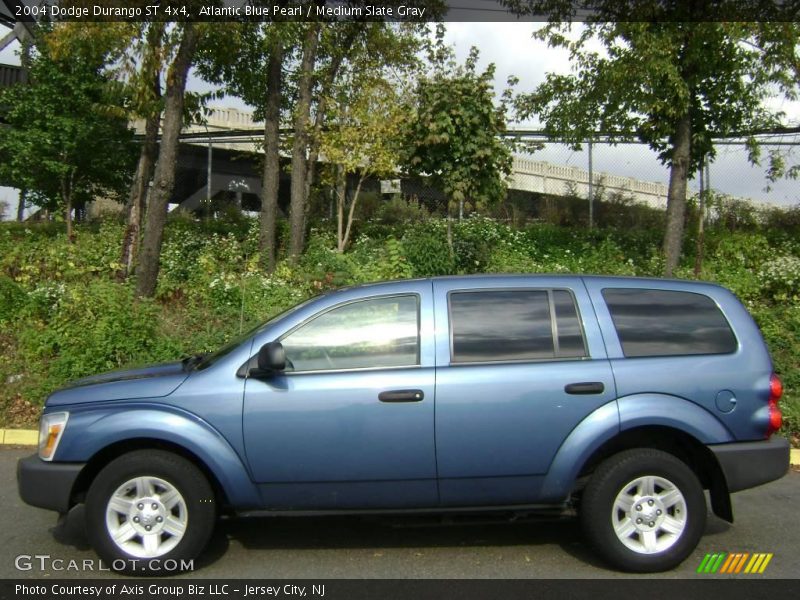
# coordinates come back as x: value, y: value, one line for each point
x: 676, y: 442
x: 99, y: 436
x: 113, y: 451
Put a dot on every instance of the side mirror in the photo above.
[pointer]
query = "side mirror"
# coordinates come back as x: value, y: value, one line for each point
x: 271, y: 359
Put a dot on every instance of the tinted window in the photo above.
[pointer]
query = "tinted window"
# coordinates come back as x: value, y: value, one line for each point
x: 506, y: 325
x: 667, y: 323
x: 570, y: 334
x: 381, y: 332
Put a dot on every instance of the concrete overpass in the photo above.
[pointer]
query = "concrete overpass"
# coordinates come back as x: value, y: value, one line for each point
x: 233, y: 133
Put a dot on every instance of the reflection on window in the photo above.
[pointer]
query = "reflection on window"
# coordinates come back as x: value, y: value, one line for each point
x: 668, y: 323
x: 514, y: 325
x: 382, y: 332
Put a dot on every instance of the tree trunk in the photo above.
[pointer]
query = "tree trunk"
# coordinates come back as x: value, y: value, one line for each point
x: 299, y: 160
x: 164, y: 178
x: 350, y: 214
x: 21, y: 206
x: 341, y: 199
x: 701, y: 221
x: 322, y: 106
x: 138, y: 197
x: 270, y: 181
x: 137, y: 200
x: 676, y: 196
x: 66, y: 198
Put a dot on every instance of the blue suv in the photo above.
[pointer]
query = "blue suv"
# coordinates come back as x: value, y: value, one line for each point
x: 621, y: 398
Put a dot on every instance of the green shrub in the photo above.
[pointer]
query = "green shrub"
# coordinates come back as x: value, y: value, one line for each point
x: 63, y: 314
x: 12, y: 298
x: 780, y: 325
x: 427, y: 251
x: 780, y: 278
x: 91, y: 327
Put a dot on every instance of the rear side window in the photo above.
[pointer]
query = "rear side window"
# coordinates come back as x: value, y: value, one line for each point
x: 514, y: 325
x: 668, y: 323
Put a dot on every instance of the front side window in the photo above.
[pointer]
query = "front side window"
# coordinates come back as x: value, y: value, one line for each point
x: 668, y: 323
x: 374, y: 333
x: 514, y: 325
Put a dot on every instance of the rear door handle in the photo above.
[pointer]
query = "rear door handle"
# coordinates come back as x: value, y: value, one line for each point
x: 585, y: 387
x: 401, y: 396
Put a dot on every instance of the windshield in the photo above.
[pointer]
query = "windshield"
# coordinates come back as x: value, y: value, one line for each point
x: 212, y: 358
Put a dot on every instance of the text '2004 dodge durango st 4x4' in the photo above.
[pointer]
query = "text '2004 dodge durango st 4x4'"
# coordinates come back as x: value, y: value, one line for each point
x: 624, y: 398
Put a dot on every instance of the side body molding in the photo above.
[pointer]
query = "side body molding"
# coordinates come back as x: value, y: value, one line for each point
x: 102, y: 428
x: 591, y: 433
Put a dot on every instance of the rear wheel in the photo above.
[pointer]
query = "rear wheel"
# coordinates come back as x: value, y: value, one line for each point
x: 644, y: 510
x: 149, y: 512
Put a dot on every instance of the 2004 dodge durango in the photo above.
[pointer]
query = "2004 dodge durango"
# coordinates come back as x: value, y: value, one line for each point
x: 621, y: 398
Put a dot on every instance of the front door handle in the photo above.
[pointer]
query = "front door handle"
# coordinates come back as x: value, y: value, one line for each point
x: 585, y: 387
x: 401, y: 396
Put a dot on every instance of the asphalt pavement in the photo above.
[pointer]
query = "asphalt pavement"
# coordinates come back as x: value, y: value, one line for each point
x: 351, y: 547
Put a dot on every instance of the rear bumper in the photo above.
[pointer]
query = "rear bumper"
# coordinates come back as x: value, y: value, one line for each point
x: 748, y: 464
x: 46, y: 484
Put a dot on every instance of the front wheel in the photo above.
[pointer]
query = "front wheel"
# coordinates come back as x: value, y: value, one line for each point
x: 149, y: 512
x: 644, y: 510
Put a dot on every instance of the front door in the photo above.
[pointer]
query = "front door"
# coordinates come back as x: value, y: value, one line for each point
x: 349, y: 424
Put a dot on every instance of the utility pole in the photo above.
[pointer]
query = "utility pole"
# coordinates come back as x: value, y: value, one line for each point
x: 591, y: 188
x: 208, y: 175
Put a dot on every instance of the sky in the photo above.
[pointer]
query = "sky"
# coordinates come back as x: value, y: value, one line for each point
x: 511, y: 48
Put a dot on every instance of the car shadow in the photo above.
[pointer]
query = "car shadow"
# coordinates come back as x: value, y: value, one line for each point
x: 360, y: 532
x: 354, y: 532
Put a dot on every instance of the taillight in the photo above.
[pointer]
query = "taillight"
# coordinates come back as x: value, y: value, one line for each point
x: 775, y: 416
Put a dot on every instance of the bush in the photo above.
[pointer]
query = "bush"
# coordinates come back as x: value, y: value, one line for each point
x: 12, y: 298
x: 89, y: 328
x: 426, y: 249
x: 780, y: 278
x: 63, y: 314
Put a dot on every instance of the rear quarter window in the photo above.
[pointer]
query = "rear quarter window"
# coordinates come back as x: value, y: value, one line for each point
x: 668, y: 323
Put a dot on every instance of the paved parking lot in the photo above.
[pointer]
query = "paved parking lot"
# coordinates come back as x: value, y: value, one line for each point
x: 766, y: 521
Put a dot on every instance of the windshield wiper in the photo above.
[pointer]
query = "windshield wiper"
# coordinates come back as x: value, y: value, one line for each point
x: 190, y: 362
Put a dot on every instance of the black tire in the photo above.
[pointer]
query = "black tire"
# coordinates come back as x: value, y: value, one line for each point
x: 672, y: 531
x: 160, y: 472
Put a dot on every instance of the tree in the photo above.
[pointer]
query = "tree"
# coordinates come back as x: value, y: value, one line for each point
x: 329, y: 51
x: 676, y: 81
x: 290, y: 73
x: 68, y: 139
x: 144, y: 80
x: 248, y: 60
x: 364, y: 138
x: 133, y: 56
x: 302, y: 117
x: 164, y: 177
x: 453, y: 136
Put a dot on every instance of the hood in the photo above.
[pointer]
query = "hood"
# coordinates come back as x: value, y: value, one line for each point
x: 153, y: 381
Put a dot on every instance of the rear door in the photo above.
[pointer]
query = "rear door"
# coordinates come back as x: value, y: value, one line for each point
x: 519, y: 365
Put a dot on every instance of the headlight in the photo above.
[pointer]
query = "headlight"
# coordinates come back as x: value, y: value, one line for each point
x: 51, y: 428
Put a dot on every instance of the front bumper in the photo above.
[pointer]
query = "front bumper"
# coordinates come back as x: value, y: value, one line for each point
x: 47, y: 484
x: 748, y: 464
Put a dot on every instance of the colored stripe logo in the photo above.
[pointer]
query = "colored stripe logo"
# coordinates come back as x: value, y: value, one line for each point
x: 734, y: 563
